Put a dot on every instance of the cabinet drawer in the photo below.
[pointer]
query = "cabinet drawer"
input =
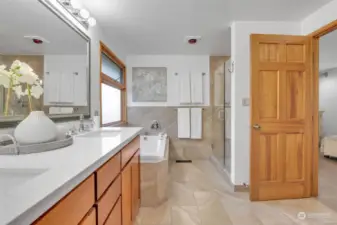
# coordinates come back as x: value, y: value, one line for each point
x: 107, y: 173
x: 115, y: 217
x: 129, y: 150
x: 90, y: 219
x: 72, y: 208
x: 108, y: 200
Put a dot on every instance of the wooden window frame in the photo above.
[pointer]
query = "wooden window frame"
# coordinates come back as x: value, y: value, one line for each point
x: 105, y: 79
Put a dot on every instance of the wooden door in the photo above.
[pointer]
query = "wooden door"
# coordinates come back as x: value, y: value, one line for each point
x: 127, y: 195
x: 135, y: 185
x: 281, y: 117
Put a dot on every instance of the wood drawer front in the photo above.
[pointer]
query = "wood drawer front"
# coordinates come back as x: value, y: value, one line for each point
x: 129, y: 150
x: 72, y: 208
x: 107, y: 173
x: 90, y: 219
x: 108, y: 200
x: 115, y: 217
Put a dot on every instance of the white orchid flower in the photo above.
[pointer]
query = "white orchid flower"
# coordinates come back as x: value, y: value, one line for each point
x: 36, y: 91
x: 4, y: 76
x: 16, y: 64
x: 18, y: 91
x: 29, y: 79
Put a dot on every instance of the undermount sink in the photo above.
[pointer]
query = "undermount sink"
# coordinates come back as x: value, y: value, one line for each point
x: 14, y: 177
x: 103, y: 133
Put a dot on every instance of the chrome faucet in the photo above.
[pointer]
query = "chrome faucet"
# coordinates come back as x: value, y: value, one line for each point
x: 81, y: 128
x: 15, y: 143
x: 155, y: 125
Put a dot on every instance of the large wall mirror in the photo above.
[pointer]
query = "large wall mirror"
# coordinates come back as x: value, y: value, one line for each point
x: 37, y: 39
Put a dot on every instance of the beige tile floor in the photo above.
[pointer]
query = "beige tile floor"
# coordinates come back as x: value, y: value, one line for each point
x: 199, y: 196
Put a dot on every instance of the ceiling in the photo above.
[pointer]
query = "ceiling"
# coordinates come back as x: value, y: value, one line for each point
x: 159, y: 26
x: 328, y: 51
x: 28, y: 17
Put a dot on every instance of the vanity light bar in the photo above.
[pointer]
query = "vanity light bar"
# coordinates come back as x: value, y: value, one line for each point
x: 81, y: 15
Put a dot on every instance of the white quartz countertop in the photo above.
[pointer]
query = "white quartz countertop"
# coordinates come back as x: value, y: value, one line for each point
x: 57, y: 172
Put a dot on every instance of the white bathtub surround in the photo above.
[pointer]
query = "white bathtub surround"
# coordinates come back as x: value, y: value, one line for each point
x: 184, y: 123
x: 36, y: 128
x: 184, y: 88
x: 45, y: 178
x: 152, y: 148
x: 154, y: 170
x: 197, y: 88
x: 196, y: 123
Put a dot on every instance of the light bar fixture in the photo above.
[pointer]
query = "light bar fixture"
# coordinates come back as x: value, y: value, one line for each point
x: 80, y: 14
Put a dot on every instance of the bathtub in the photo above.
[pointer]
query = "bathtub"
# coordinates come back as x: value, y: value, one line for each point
x: 154, y: 166
x: 153, y: 148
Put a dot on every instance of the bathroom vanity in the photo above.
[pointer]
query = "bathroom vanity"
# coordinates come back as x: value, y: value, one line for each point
x: 95, y: 181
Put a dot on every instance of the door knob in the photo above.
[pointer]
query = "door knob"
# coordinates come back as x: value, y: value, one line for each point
x: 256, y: 126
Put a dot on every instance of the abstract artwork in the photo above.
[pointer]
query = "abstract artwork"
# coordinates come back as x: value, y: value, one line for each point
x: 149, y: 84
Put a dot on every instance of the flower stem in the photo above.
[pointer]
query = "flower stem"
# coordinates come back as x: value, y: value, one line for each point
x: 9, y: 92
x: 29, y: 97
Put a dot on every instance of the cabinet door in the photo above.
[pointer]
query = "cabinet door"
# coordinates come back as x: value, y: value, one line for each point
x: 67, y: 87
x: 89, y: 219
x: 51, y: 87
x: 135, y: 185
x: 80, y: 87
x: 127, y: 194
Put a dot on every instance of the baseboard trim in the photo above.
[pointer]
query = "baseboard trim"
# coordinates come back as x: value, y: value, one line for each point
x: 241, y: 188
x: 227, y: 177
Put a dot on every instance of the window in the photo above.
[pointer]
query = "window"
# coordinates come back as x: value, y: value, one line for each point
x: 113, y: 105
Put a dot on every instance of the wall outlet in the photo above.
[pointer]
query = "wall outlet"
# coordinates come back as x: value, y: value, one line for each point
x: 245, y: 102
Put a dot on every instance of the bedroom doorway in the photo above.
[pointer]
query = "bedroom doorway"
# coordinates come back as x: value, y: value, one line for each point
x: 327, y: 92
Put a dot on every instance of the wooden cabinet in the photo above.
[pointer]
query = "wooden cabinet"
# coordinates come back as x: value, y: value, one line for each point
x: 127, y: 195
x: 107, y: 173
x: 135, y: 184
x: 115, y: 217
x: 131, y: 190
x: 110, y: 196
x: 72, y: 208
x: 108, y: 200
x: 90, y: 219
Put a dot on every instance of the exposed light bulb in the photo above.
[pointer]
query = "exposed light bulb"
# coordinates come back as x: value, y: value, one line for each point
x: 75, y: 4
x: 84, y: 13
x: 91, y: 21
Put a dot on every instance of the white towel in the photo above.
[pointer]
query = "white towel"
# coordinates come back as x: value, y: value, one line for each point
x: 197, y: 88
x: 184, y: 88
x: 196, y: 123
x: 184, y: 123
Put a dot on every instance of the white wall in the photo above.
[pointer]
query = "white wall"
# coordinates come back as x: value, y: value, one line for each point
x: 240, y: 142
x: 174, y: 64
x: 96, y: 34
x: 319, y: 18
x: 328, y: 102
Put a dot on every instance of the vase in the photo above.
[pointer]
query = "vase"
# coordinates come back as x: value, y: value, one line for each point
x: 36, y: 128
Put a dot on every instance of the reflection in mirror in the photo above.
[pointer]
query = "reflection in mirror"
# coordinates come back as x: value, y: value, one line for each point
x: 44, y: 63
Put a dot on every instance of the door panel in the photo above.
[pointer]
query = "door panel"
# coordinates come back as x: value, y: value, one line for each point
x: 268, y: 96
x: 281, y: 117
x: 295, y: 94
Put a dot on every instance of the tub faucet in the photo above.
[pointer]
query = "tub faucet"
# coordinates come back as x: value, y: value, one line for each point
x: 155, y: 125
